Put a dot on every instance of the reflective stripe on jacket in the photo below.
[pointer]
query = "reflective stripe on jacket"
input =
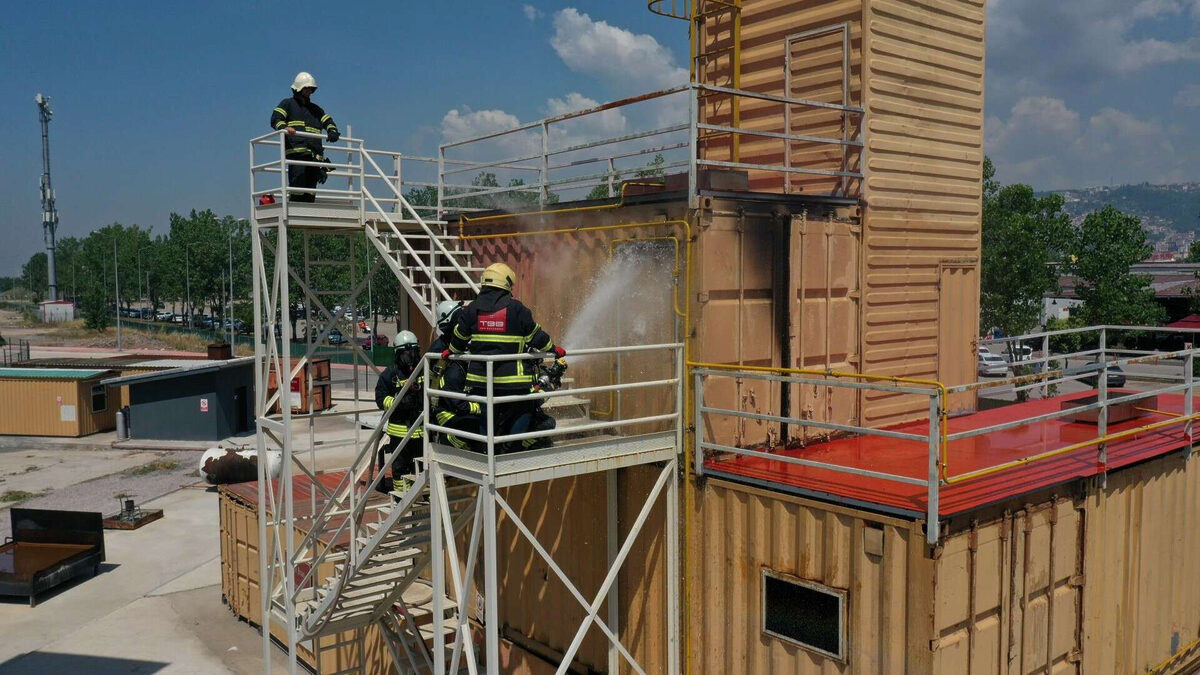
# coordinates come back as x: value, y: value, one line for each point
x: 302, y: 115
x: 494, y: 324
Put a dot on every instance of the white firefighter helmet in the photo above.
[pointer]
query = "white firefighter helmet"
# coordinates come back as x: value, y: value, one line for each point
x: 498, y: 275
x: 303, y: 79
x: 407, y: 340
x: 446, y: 311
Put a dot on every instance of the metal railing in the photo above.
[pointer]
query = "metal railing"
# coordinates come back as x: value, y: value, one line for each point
x: 491, y: 437
x: 14, y: 351
x: 384, y: 212
x: 541, y: 162
x: 1046, y: 370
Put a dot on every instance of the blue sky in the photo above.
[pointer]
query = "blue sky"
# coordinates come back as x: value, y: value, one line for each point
x: 154, y: 101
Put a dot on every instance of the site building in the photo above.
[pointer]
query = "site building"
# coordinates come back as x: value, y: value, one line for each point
x: 780, y: 463
x: 55, y: 402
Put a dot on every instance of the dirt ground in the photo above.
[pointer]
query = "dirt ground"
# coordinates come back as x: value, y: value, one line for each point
x: 14, y: 327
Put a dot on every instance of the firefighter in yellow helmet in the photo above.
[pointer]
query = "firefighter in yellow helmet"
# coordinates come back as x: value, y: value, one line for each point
x: 494, y: 324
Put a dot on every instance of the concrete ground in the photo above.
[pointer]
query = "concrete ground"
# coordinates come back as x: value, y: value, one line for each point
x: 155, y: 607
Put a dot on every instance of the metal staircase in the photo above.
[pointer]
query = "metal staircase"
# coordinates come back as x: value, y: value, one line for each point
x: 357, y: 560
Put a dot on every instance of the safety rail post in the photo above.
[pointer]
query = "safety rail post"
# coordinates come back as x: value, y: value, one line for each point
x: 698, y: 431
x: 1046, y: 364
x: 932, y: 528
x: 693, y: 143
x: 544, y: 193
x: 1187, y: 399
x: 490, y: 582
x: 1102, y: 421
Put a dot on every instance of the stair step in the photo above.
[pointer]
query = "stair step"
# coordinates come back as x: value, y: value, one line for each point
x: 565, y: 401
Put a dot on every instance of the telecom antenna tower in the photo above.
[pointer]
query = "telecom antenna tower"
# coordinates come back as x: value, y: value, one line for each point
x: 49, y: 213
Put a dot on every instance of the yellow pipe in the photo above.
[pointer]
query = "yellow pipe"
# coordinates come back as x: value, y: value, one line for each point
x: 1075, y: 446
x: 467, y: 220
x: 1158, y: 412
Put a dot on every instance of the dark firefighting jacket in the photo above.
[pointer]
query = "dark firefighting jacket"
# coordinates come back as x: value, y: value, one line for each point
x: 302, y: 115
x: 390, y: 382
x: 496, y: 323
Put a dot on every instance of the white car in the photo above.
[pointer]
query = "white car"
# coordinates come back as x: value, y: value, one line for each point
x: 988, y: 363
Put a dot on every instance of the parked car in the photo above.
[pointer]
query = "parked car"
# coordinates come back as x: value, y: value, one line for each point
x: 177, y: 318
x: 1116, y: 376
x: 162, y: 315
x: 335, y: 337
x: 146, y: 314
x: 374, y: 341
x: 989, y: 364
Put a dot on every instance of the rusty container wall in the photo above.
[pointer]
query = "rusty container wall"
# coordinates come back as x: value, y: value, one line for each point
x: 1141, y: 596
x: 568, y: 518
x: 556, y: 277
x: 879, y: 562
x: 924, y: 71
x: 1008, y: 593
x: 241, y: 591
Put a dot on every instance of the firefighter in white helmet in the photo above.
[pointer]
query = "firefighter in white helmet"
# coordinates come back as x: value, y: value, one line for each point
x: 400, y: 422
x: 298, y: 113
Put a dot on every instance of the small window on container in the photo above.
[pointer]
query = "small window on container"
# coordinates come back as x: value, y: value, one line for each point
x: 804, y: 613
x: 99, y: 398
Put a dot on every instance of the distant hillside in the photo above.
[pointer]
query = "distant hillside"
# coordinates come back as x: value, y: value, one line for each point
x: 1170, y: 213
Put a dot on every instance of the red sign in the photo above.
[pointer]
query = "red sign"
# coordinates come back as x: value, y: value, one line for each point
x: 494, y: 322
x: 203, y: 405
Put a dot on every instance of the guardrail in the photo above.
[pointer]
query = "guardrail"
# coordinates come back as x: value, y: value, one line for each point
x: 1046, y: 371
x: 491, y: 437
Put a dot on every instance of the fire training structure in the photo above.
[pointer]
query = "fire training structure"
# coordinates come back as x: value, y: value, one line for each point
x: 798, y: 428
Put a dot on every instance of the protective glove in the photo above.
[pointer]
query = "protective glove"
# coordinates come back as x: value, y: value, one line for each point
x: 332, y: 136
x: 445, y: 354
x: 559, y: 351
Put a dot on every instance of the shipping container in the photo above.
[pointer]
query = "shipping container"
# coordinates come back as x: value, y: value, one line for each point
x: 55, y: 402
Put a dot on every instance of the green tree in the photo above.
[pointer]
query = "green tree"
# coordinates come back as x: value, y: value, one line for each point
x: 34, y: 275
x: 1107, y: 244
x: 1193, y: 254
x: 652, y: 169
x: 95, y: 310
x: 1022, y: 235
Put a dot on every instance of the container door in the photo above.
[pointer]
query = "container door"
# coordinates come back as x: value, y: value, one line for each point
x: 825, y: 318
x: 1009, y: 595
x: 958, y: 329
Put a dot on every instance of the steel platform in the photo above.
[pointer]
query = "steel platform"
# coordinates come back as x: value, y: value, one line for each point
x: 560, y: 461
x: 911, y: 458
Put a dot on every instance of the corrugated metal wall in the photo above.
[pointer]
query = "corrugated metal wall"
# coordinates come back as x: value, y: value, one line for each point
x: 1141, y: 600
x: 33, y: 407
x: 568, y: 518
x: 742, y: 530
x: 808, y: 68
x: 924, y: 65
x: 1008, y: 594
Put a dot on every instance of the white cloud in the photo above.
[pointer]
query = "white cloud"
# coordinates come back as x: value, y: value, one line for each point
x: 1045, y: 143
x: 532, y: 13
x: 467, y: 123
x: 627, y: 61
x: 1188, y: 97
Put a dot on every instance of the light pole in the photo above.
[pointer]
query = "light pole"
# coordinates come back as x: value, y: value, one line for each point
x: 117, y: 288
x: 229, y: 309
x: 187, y: 271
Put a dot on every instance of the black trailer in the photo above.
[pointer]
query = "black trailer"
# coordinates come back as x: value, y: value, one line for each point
x: 48, y: 548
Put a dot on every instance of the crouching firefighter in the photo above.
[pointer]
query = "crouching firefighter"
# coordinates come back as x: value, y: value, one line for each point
x: 391, y: 381
x: 451, y: 376
x: 497, y: 324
